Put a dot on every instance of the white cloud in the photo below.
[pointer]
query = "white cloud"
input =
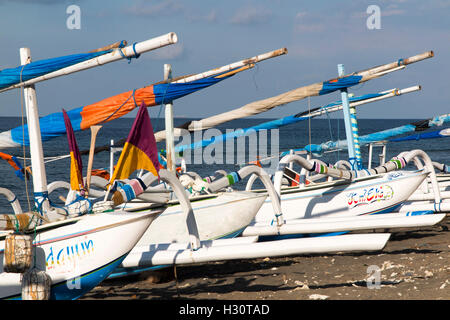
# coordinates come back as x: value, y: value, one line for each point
x: 300, y: 15
x: 305, y: 22
x: 209, y: 17
x: 299, y: 28
x: 172, y: 52
x: 164, y: 8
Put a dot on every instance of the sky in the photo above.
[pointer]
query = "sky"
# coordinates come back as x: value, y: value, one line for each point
x: 319, y: 35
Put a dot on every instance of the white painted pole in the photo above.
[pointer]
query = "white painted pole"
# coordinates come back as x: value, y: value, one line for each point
x: 242, y: 63
x: 291, y: 165
x: 308, y: 157
x: 382, y: 156
x: 34, y: 132
x: 369, y: 162
x: 323, y: 225
x: 170, y: 146
x: 111, y: 158
x: 390, y: 93
x: 352, y: 145
x: 115, y: 55
x: 277, y: 248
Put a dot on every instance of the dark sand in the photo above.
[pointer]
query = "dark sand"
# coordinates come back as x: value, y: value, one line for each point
x: 415, y: 264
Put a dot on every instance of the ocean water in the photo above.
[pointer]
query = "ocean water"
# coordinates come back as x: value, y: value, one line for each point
x: 292, y: 136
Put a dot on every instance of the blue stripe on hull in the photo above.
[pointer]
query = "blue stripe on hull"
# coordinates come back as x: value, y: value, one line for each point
x: 121, y: 272
x: 419, y: 213
x: 294, y: 236
x: 386, y: 210
x: 86, y: 282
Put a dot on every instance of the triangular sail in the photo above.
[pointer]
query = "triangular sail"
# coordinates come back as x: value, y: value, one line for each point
x: 76, y: 164
x: 139, y: 151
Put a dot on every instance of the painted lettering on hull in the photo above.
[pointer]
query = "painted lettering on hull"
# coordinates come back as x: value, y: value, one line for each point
x: 370, y: 195
x: 68, y: 255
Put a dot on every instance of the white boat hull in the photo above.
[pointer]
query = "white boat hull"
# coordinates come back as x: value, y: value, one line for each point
x: 354, y: 242
x: 224, y: 216
x: 79, y: 255
x: 361, y: 197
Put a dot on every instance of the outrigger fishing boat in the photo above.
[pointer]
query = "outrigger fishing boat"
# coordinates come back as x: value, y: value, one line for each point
x: 78, y: 253
x: 180, y: 227
x: 174, y: 229
x: 71, y: 251
x: 279, y: 223
x: 359, y: 195
x: 51, y: 257
x: 220, y: 207
x: 431, y: 195
x: 193, y: 249
x: 151, y: 253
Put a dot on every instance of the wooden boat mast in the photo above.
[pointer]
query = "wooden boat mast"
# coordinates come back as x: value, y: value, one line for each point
x: 34, y: 131
x: 351, y: 127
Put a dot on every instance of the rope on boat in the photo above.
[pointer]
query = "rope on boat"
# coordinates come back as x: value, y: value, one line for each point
x: 115, y: 111
x: 136, y: 55
x: 23, y: 135
x: 44, y: 196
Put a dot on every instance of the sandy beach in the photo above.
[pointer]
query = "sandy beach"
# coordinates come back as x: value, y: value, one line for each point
x: 415, y: 265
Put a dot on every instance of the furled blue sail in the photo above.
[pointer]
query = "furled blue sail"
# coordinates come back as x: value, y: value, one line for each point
x: 444, y: 133
x: 108, y: 109
x: 12, y: 76
x: 381, y: 135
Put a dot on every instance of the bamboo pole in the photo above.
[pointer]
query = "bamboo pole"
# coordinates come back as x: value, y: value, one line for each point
x: 111, y: 46
x: 386, y: 94
x: 170, y: 146
x: 94, y: 132
x: 241, y: 63
x: 118, y: 54
x: 393, y: 66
